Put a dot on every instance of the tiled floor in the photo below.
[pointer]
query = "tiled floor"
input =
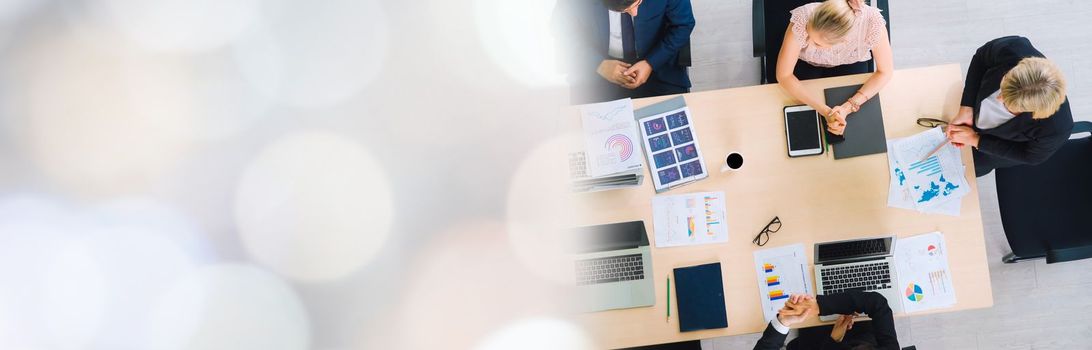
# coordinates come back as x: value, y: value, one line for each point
x: 1035, y: 306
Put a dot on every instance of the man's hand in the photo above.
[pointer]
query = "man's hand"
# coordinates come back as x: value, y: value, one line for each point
x: 615, y: 71
x: 797, y: 309
x: 640, y: 72
x: 841, y: 325
x: 962, y: 135
x: 964, y: 117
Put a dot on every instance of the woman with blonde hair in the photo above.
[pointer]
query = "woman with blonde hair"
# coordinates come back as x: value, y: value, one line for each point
x: 833, y: 38
x: 1014, y: 109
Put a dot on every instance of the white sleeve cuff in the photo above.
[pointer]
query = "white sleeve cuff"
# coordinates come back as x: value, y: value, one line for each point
x: 783, y: 329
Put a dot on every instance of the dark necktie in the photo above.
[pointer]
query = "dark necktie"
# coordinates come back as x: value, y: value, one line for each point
x: 629, y: 50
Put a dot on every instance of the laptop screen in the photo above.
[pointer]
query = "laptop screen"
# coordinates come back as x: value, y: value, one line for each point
x: 852, y: 249
x: 608, y: 237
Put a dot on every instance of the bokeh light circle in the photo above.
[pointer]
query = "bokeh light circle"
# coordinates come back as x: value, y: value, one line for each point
x: 537, y: 334
x: 77, y: 278
x: 539, y: 209
x: 313, y: 206
x: 181, y: 25
x: 315, y: 53
x: 54, y: 290
x: 230, y: 306
x: 518, y: 36
x: 100, y: 118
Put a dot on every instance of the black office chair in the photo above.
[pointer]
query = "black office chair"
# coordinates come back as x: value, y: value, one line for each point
x: 769, y: 19
x: 1046, y: 209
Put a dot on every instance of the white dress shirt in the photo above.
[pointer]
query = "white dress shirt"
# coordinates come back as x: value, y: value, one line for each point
x: 780, y: 328
x: 615, y: 49
x: 992, y: 113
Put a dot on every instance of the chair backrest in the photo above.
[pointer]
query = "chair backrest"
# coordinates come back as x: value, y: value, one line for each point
x: 1044, y: 208
x: 770, y: 19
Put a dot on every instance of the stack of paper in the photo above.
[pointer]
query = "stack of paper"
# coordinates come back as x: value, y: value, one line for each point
x: 925, y: 281
x: 689, y: 219
x: 932, y: 184
x: 781, y: 272
x: 609, y: 159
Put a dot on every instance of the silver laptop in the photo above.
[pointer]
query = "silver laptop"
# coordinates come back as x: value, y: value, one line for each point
x: 613, y: 269
x: 866, y: 264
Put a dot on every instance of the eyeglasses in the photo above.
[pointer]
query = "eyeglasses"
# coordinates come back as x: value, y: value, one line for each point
x: 764, y: 236
x: 931, y: 122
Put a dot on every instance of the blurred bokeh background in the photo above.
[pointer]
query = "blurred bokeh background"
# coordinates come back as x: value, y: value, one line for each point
x: 275, y: 174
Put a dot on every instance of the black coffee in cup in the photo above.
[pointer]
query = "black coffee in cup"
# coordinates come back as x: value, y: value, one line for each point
x: 734, y: 161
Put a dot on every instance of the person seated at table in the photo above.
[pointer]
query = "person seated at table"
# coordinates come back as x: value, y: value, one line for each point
x: 834, y: 38
x: 1014, y: 109
x: 844, y: 334
x: 624, y: 48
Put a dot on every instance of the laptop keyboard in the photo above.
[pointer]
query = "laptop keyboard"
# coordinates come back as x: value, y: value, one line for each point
x: 863, y: 277
x: 851, y: 249
x: 610, y: 269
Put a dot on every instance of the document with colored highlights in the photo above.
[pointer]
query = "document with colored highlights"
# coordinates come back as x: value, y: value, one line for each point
x: 924, y: 180
x: 610, y: 137
x: 781, y: 272
x: 925, y: 280
x: 689, y: 219
x: 899, y: 195
x: 670, y: 140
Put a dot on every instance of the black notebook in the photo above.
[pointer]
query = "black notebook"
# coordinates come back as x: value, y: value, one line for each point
x: 700, y: 292
x: 864, y: 132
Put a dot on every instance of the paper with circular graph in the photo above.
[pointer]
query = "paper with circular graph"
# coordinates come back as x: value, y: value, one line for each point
x: 914, y: 293
x: 610, y: 137
x: 921, y: 264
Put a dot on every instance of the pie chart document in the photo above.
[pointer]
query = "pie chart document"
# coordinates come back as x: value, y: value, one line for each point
x: 925, y: 281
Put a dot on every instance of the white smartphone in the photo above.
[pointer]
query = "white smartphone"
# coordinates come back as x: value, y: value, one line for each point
x: 803, y: 131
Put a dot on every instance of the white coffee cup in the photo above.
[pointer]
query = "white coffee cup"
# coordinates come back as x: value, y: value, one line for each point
x: 732, y: 162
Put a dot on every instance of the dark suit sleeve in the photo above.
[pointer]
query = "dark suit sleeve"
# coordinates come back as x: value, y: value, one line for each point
x: 828, y: 343
x: 680, y: 23
x: 771, y: 339
x: 1048, y: 140
x: 983, y: 59
x: 871, y: 303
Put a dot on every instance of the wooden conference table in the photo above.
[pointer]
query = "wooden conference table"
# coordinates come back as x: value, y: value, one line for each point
x: 817, y: 198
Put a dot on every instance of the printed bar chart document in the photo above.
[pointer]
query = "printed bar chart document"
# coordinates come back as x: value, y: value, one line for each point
x: 781, y: 272
x: 689, y: 219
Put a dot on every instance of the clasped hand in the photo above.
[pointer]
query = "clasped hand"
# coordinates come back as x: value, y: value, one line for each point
x: 836, y: 119
x: 959, y: 130
x: 800, y: 307
x: 797, y: 309
x: 630, y: 76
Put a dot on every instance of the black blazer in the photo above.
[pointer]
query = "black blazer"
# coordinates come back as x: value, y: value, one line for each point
x: 875, y: 305
x: 1022, y: 140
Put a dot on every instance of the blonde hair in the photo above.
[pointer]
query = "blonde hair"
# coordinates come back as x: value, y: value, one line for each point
x: 1035, y: 85
x: 834, y: 18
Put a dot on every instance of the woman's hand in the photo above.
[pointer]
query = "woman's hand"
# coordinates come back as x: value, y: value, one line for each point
x: 965, y: 117
x: 841, y: 325
x: 836, y: 120
x: 855, y: 4
x: 962, y: 135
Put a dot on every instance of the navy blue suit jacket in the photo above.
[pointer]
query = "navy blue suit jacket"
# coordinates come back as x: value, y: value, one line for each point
x: 661, y: 29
